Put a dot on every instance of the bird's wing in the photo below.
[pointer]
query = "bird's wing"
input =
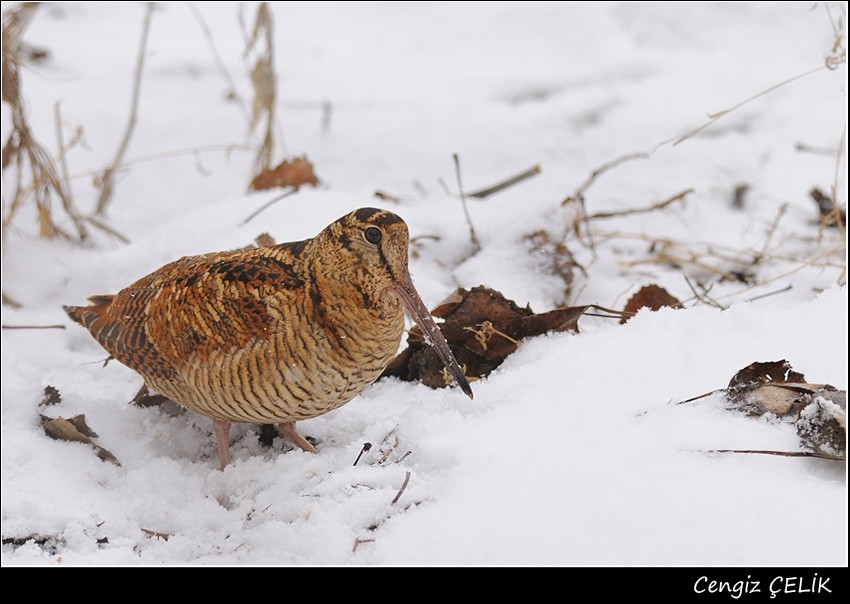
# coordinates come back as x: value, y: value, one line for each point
x: 197, y: 307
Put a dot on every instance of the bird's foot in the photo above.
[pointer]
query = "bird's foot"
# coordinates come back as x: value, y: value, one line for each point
x: 290, y: 433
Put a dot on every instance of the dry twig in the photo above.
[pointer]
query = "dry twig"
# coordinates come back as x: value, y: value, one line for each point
x: 486, y: 192
x: 714, y: 117
x: 401, y: 490
x: 472, y: 236
x: 781, y: 453
x: 366, y: 447
x: 107, y: 178
x: 266, y: 205
x: 263, y: 82
x: 21, y: 150
x: 763, y: 253
x: 656, y: 206
x: 232, y: 92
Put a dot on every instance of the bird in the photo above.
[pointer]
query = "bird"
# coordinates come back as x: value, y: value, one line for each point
x: 271, y: 335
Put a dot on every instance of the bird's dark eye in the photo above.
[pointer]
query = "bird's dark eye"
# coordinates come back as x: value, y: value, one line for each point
x: 372, y: 235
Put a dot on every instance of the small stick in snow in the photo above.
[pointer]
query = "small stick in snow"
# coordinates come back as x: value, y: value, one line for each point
x: 401, y: 490
x: 781, y: 453
x: 761, y: 255
x: 157, y: 534
x: 696, y: 398
x: 656, y: 206
x: 714, y: 117
x: 578, y: 195
x: 787, y: 288
x: 703, y: 297
x: 231, y: 86
x: 483, y: 193
x: 4, y: 326
x: 108, y: 174
x: 472, y: 236
x: 267, y: 204
x: 357, y: 543
x: 364, y: 449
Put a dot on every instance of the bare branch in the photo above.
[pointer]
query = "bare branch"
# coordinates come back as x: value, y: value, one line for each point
x: 714, y: 117
x: 232, y: 91
x: 267, y: 204
x: 33, y: 326
x: 108, y: 176
x: 781, y: 453
x: 472, y: 236
x: 656, y: 206
x: 578, y: 195
x: 366, y: 447
x: 506, y: 183
x: 401, y: 490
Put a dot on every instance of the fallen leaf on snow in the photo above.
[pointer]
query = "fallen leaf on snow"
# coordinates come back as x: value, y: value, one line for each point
x: 482, y: 328
x: 652, y: 297
x: 75, y: 429
x: 290, y: 173
x: 51, y: 397
x: 818, y: 411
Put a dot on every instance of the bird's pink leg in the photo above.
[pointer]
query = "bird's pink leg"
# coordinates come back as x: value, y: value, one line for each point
x: 288, y: 430
x: 222, y: 440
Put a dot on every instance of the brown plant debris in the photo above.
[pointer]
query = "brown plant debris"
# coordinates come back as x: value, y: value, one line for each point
x: 555, y: 257
x: 51, y: 397
x: 35, y: 176
x: 739, y: 196
x: 75, y: 429
x: 10, y: 301
x: 765, y: 387
x: 818, y: 411
x: 652, y: 297
x: 49, y: 543
x: 501, y: 186
x: 482, y: 328
x: 260, y: 42
x: 290, y: 173
x: 156, y: 534
x: 401, y: 490
x: 106, y: 179
x: 830, y: 215
x: 364, y: 449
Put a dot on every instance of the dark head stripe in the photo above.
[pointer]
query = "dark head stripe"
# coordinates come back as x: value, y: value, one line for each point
x: 376, y: 216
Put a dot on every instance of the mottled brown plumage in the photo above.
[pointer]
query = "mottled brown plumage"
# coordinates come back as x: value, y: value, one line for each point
x: 270, y: 335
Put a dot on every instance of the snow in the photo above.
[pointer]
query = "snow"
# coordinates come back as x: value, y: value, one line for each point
x: 573, y: 451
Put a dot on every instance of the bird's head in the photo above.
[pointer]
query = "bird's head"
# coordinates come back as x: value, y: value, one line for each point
x: 373, y: 244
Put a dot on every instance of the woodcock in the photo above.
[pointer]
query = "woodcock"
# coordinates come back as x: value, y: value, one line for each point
x: 270, y: 335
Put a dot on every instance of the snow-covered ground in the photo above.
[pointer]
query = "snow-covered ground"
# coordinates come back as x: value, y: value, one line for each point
x: 572, y: 452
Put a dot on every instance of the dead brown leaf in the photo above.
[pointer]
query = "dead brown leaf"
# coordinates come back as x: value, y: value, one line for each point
x: 770, y: 372
x: 51, y: 397
x: 830, y: 214
x: 75, y: 429
x: 290, y: 173
x: 652, y: 297
x: 482, y: 328
x: 818, y: 411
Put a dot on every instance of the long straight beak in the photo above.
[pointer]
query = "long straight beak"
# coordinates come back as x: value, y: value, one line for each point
x: 417, y: 310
